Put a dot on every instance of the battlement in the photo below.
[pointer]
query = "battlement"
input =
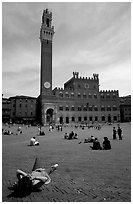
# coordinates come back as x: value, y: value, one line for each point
x: 109, y: 91
x: 95, y: 76
x: 46, y: 12
x: 88, y: 78
x: 76, y: 76
x: 47, y: 30
x: 58, y: 89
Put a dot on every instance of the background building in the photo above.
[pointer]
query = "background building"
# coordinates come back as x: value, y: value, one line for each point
x: 23, y: 109
x: 6, y: 110
x: 125, y: 108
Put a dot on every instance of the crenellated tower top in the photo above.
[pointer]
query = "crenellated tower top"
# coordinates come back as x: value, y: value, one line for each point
x: 47, y: 30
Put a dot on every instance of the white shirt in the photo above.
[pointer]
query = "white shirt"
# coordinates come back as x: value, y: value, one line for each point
x: 32, y: 141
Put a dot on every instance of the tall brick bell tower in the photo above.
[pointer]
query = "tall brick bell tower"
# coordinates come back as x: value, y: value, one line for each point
x: 46, y: 108
x: 46, y: 36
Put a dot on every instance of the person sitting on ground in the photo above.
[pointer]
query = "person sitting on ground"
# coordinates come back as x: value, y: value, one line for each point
x: 4, y: 131
x: 71, y: 135
x: 66, y: 136
x: 35, y: 180
x: 90, y: 139
x: 75, y: 136
x: 7, y: 132
x: 19, y: 128
x: 20, y: 132
x: 106, y: 144
x: 82, y: 127
x: 96, y: 145
x: 42, y: 133
x: 33, y: 141
x: 50, y: 128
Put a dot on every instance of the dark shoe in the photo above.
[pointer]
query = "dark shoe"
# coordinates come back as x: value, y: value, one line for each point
x: 54, y: 167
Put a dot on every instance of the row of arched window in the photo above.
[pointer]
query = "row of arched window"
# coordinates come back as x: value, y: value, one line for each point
x: 85, y: 119
x: 85, y: 108
x: 84, y: 95
x: 72, y: 95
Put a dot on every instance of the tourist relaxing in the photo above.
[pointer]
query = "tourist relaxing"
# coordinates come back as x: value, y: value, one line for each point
x: 35, y: 179
x: 71, y: 135
x: 33, y: 141
x: 66, y: 135
x: 75, y: 136
x: 90, y: 139
x: 96, y: 145
x: 106, y: 144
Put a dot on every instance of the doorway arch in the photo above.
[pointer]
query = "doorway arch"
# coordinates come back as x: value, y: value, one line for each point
x: 67, y: 120
x: 109, y: 118
x: 49, y: 115
x: 61, y: 120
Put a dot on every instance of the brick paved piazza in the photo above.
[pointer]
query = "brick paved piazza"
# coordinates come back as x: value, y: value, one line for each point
x: 83, y: 174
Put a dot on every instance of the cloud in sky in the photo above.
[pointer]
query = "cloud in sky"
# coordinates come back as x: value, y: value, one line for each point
x: 89, y: 38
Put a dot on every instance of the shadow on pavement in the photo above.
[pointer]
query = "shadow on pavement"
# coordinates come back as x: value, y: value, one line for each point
x: 19, y: 193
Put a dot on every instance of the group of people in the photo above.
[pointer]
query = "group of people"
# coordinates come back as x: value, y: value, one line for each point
x: 59, y: 127
x: 40, y: 132
x: 70, y: 136
x: 105, y: 145
x: 6, y: 132
x: 51, y: 127
x: 19, y: 131
x: 90, y: 139
x: 118, y: 131
x: 9, y: 132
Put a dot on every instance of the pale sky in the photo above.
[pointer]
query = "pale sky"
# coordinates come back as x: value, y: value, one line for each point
x: 89, y: 38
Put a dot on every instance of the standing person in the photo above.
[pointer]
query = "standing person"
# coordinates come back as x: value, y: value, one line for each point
x: 50, y: 128
x: 114, y: 133
x: 39, y: 129
x: 19, y: 129
x: 119, y: 133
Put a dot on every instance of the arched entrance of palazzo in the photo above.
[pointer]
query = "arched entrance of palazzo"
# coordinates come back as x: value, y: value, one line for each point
x: 109, y: 118
x: 49, y: 115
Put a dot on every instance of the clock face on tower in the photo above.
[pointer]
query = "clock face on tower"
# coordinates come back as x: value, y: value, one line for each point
x: 47, y: 85
x: 86, y: 86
